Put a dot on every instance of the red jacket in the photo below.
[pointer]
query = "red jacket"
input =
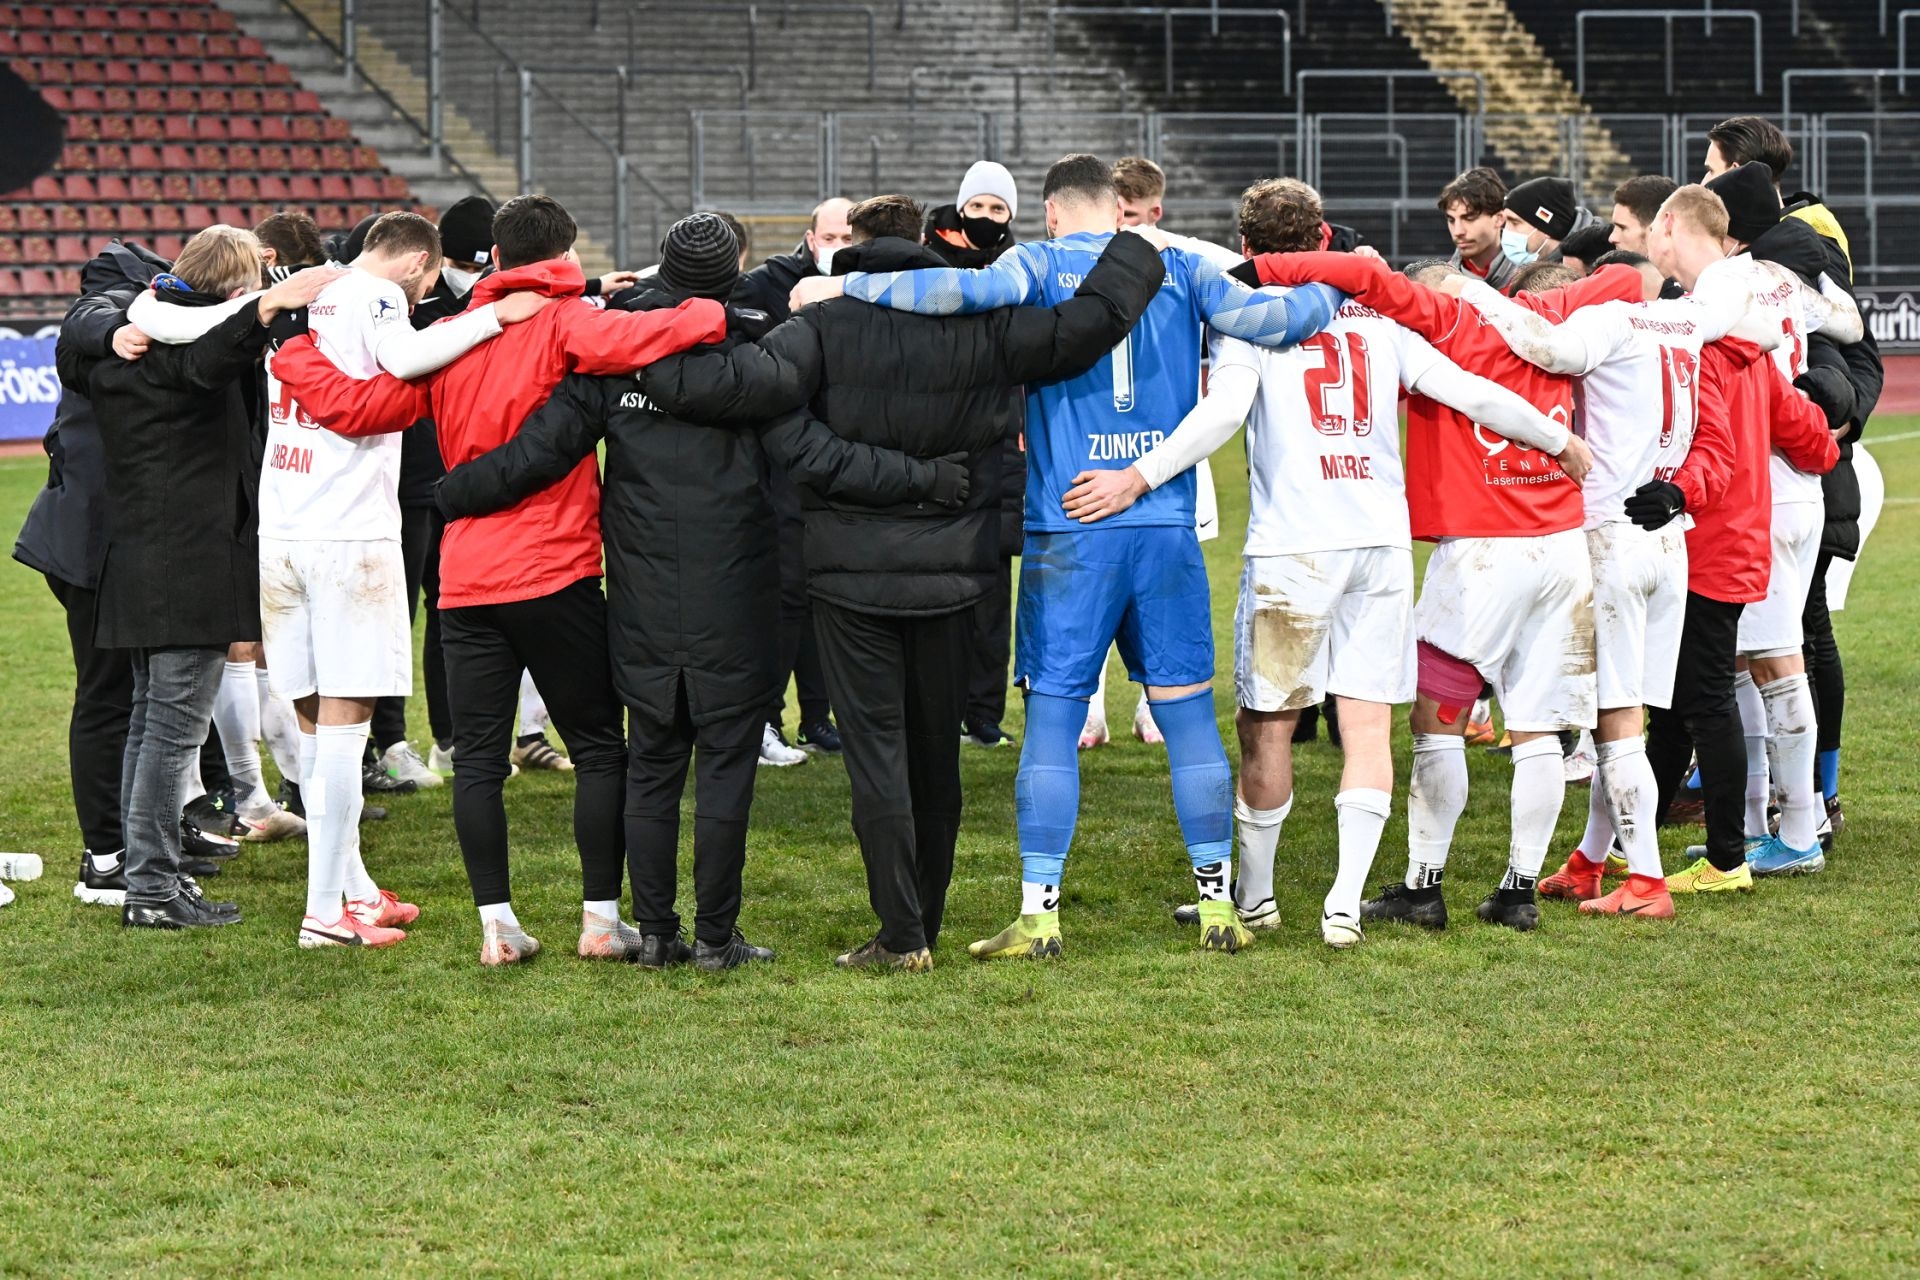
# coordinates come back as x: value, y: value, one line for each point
x: 1464, y: 481
x: 1747, y: 409
x: 552, y: 539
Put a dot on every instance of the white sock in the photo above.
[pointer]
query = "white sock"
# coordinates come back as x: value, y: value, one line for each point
x: 279, y: 728
x: 1753, y: 723
x: 1790, y: 720
x: 236, y: 710
x: 333, y: 817
x: 1632, y: 794
x: 309, y: 747
x: 609, y: 910
x: 499, y: 913
x: 1038, y: 899
x: 1539, y: 789
x: 1436, y: 797
x: 1212, y: 881
x: 1598, y: 838
x: 533, y: 708
x: 1259, y: 842
x: 1363, y: 816
x: 1097, y: 704
x: 1482, y: 711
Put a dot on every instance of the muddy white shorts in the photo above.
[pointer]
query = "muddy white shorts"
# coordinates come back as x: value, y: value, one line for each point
x: 333, y: 616
x: 1639, y: 604
x: 1324, y: 622
x: 1520, y: 611
x: 1772, y: 627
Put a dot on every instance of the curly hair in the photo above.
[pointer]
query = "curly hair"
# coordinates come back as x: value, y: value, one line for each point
x: 1281, y: 215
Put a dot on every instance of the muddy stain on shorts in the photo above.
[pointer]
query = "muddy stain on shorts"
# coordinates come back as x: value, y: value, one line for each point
x: 1285, y: 643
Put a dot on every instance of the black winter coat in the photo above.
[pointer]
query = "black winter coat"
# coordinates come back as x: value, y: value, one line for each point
x: 928, y: 386
x: 765, y: 288
x: 1794, y: 244
x: 182, y: 563
x: 65, y: 534
x: 692, y: 568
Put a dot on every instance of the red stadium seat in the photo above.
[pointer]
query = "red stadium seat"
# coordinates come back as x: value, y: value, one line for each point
x: 145, y: 187
x: 129, y: 18
x: 114, y: 188
x: 36, y: 249
x: 243, y: 159
x: 142, y: 156
x: 308, y: 128
x: 209, y: 186
x: 176, y: 186
x: 215, y: 46
x: 365, y: 158
x: 243, y: 186
x: 67, y: 217
x: 85, y: 100
x: 210, y: 128
x: 274, y: 129
x: 394, y: 187
x: 167, y: 217
x: 151, y: 73
x: 182, y: 101
x: 79, y: 188
x: 182, y: 73
x: 243, y: 129
x: 178, y: 128
x: 337, y: 130
x: 152, y: 101
x: 9, y: 252
x: 338, y: 159
x: 335, y: 188
x: 305, y: 159
x: 232, y: 215
x: 110, y: 155
x: 85, y: 127
x: 71, y: 249
x: 102, y: 217
x: 35, y: 283
x: 239, y: 73
x: 118, y: 45
x: 9, y: 218
x: 33, y: 217
x: 76, y: 156
x: 46, y: 187
x: 248, y: 100
x: 273, y: 159
x: 303, y: 188
x: 59, y: 99
x: 162, y: 20
x: 169, y: 246
x: 191, y: 19
x: 145, y: 128
x: 307, y: 103
x: 274, y: 188
x: 365, y: 187
x: 259, y: 213
x: 66, y: 18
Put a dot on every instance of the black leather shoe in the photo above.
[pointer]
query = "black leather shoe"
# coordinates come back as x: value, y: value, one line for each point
x: 199, y: 867
x: 206, y: 845
x: 731, y: 954
x: 662, y: 951
x: 191, y: 888
x: 181, y: 911
x: 1514, y: 908
x: 1424, y: 907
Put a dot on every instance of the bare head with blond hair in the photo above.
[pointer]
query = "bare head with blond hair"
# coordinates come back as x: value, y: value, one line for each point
x: 1142, y: 187
x: 1688, y: 234
x: 221, y: 261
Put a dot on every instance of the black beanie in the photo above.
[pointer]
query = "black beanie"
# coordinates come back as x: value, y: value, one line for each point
x: 466, y: 230
x: 700, y: 257
x: 1752, y: 204
x: 1546, y: 204
x: 357, y: 238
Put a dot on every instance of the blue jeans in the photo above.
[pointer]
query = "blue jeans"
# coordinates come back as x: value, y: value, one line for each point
x: 173, y: 691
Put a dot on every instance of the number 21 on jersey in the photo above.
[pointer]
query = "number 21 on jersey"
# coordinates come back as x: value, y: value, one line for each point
x: 1340, y: 382
x: 1680, y: 401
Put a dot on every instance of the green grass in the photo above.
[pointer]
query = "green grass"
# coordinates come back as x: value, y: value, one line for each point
x: 1732, y: 1094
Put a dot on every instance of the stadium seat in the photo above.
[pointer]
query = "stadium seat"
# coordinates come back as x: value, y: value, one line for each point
x: 113, y: 188
x: 67, y: 217
x: 275, y: 188
x: 103, y: 217
x: 233, y: 215
x: 168, y: 246
x: 37, y: 250
x: 9, y: 251
x: 176, y: 186
x: 273, y: 159
x: 335, y: 188
x: 303, y: 188
x: 243, y: 186
x: 209, y: 186
x: 193, y: 217
x: 46, y: 187
x: 9, y: 218
x: 70, y: 249
x: 244, y: 159
x: 365, y: 187
x: 78, y: 188
x: 134, y: 217
x: 141, y: 156
x: 110, y: 156
x: 204, y: 156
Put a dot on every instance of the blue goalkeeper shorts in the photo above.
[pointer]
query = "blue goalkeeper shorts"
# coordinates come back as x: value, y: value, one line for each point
x: 1144, y: 586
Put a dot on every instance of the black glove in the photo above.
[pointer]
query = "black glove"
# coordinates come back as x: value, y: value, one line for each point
x: 1827, y: 398
x: 951, y: 481
x: 1655, y: 503
x: 1247, y: 274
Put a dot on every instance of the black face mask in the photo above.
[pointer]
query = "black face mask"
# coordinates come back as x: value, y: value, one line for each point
x: 983, y: 233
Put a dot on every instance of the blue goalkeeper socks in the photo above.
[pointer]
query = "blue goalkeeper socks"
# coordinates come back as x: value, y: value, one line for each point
x: 1827, y: 766
x: 1202, y: 779
x: 1046, y: 791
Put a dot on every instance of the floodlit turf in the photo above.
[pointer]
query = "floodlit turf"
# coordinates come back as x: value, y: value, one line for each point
x: 1731, y: 1094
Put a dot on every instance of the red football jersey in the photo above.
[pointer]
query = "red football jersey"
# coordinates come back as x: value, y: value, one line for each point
x: 1464, y: 481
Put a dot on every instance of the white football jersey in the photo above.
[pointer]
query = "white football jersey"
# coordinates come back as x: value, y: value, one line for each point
x: 1796, y: 311
x: 1639, y: 404
x: 316, y: 484
x: 1323, y: 440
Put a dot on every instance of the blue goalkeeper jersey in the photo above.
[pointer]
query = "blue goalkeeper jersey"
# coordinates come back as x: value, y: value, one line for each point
x: 1138, y: 393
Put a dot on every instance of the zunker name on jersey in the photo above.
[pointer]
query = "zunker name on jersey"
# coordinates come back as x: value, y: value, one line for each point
x: 1122, y: 446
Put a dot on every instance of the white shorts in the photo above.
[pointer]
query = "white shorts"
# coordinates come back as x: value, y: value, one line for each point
x: 1639, y: 604
x: 1520, y: 610
x: 334, y: 619
x: 1771, y: 628
x: 1322, y: 622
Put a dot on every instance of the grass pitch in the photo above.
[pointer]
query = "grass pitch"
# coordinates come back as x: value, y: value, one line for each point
x: 1734, y: 1093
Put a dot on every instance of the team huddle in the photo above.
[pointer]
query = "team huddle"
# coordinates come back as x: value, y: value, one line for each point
x: 1620, y: 471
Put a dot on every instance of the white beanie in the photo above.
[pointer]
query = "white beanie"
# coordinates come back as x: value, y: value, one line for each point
x: 986, y: 178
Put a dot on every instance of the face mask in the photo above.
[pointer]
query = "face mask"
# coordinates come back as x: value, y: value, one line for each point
x: 984, y: 233
x: 823, y: 260
x: 1514, y: 245
x: 458, y: 280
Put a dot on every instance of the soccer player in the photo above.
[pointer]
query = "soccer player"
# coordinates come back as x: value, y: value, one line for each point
x: 520, y: 589
x: 1639, y: 369
x: 1508, y: 596
x: 1635, y: 202
x: 1139, y: 576
x: 1326, y: 595
x: 1475, y: 205
x: 1729, y: 548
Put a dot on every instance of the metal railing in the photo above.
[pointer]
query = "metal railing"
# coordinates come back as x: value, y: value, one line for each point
x: 1904, y: 66
x: 1667, y: 17
x: 1390, y: 77
x: 1166, y: 17
x: 1877, y: 74
x: 750, y: 13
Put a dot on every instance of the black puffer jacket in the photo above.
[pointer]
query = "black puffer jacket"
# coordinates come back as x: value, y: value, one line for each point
x: 1013, y: 454
x: 928, y: 386
x: 689, y: 528
x: 1794, y: 244
x: 182, y: 560
x: 765, y: 288
x: 65, y: 534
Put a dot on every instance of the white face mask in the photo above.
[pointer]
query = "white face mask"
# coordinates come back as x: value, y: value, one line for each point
x: 459, y: 279
x: 823, y: 260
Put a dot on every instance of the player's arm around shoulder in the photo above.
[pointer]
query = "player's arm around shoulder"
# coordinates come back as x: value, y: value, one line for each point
x: 593, y: 340
x: 749, y: 383
x: 1070, y: 337
x: 553, y: 440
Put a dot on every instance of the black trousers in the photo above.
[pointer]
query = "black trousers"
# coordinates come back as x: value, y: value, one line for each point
x: 725, y: 755
x: 562, y: 639
x: 899, y: 684
x: 799, y: 654
x: 1826, y: 676
x: 420, y: 530
x: 97, y: 730
x: 1704, y: 722
x: 992, y: 649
